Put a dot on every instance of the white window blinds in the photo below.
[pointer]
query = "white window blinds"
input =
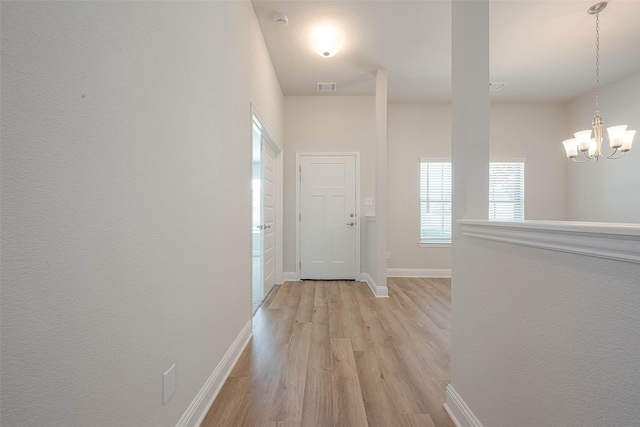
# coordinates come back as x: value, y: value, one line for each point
x: 506, y: 197
x: 435, y: 202
x: 506, y: 191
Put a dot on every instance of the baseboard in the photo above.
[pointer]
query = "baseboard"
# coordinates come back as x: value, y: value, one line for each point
x: 378, y: 291
x: 196, y: 412
x: 419, y: 272
x: 290, y: 276
x: 459, y: 412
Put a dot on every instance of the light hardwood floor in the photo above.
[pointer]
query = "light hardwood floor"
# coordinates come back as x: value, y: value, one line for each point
x: 330, y: 354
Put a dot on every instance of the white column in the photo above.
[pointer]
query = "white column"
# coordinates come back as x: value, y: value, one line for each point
x: 381, y: 182
x: 470, y: 109
x: 470, y: 158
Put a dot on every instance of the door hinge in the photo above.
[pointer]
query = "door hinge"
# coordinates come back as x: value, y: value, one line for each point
x: 299, y: 217
x: 300, y: 264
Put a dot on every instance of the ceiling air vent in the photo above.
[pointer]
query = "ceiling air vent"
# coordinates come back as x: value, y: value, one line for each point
x: 496, y: 86
x: 327, y: 87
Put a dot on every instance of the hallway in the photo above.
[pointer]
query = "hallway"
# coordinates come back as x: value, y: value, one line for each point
x: 330, y: 354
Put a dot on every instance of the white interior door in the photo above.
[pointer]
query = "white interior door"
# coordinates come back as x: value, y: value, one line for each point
x: 328, y: 217
x: 268, y: 217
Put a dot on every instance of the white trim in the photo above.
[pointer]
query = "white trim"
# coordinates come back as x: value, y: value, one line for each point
x: 279, y: 218
x: 419, y: 272
x: 298, y: 243
x: 458, y: 410
x: 434, y: 159
x: 263, y: 124
x: 508, y: 160
x: 434, y: 244
x: 198, y: 409
x: 620, y: 242
x: 378, y: 291
x: 491, y: 159
x: 290, y: 276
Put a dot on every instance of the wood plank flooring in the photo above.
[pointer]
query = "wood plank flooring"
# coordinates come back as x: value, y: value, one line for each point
x: 329, y: 354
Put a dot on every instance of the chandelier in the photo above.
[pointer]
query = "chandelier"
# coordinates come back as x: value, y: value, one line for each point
x: 620, y: 138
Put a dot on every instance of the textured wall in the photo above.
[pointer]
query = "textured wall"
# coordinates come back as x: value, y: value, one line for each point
x: 545, y: 338
x: 125, y: 203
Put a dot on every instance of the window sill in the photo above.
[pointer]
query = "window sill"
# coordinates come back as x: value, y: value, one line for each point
x: 434, y: 244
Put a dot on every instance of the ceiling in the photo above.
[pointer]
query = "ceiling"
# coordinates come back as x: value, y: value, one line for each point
x: 545, y: 50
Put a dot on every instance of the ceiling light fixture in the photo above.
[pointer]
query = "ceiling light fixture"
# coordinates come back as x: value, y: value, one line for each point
x: 281, y: 19
x: 326, y: 40
x: 620, y: 139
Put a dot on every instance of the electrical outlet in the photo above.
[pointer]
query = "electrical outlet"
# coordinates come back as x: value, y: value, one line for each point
x: 368, y: 201
x: 388, y: 255
x: 168, y: 383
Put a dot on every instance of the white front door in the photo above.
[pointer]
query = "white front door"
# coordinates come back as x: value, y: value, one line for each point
x: 328, y: 217
x: 268, y: 217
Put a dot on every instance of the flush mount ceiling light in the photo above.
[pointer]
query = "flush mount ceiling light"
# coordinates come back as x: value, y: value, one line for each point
x: 620, y: 138
x: 326, y: 40
x: 281, y: 19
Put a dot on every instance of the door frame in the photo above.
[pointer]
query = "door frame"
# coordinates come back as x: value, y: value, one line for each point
x: 268, y: 136
x: 358, y: 221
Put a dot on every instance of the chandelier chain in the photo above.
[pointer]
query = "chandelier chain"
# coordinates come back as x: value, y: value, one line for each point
x: 597, y: 63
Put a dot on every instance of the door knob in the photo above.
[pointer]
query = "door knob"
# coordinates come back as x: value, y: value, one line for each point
x: 351, y: 223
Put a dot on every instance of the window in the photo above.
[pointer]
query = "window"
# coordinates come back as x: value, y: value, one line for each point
x: 435, y: 202
x: 506, y: 197
x: 506, y: 191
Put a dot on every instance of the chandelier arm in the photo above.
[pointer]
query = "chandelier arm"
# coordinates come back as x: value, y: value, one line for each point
x: 611, y: 156
x: 614, y: 153
x: 583, y: 161
x: 586, y: 158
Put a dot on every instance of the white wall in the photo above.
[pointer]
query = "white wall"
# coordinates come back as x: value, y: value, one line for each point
x: 126, y: 203
x: 326, y: 124
x: 421, y: 130
x: 607, y: 191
